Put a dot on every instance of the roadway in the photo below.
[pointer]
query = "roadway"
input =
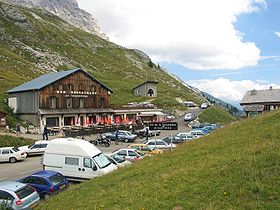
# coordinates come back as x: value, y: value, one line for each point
x: 9, y: 171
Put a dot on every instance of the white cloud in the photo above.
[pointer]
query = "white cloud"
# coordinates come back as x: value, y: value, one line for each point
x: 228, y: 90
x: 277, y: 33
x: 198, y: 34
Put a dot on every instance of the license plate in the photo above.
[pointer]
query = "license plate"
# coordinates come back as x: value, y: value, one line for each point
x: 61, y: 187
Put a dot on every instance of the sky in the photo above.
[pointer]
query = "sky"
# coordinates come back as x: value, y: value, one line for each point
x: 223, y: 47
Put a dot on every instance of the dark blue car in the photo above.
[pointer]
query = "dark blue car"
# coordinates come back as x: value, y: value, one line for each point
x: 46, y: 182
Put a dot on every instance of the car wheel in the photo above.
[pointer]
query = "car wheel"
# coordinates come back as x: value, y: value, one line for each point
x: 126, y: 140
x: 46, y: 196
x: 12, y: 160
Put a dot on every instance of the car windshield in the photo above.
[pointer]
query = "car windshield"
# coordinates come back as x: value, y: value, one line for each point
x: 101, y: 160
x: 24, y: 192
x: 15, y: 149
x: 140, y: 153
x: 57, y: 179
x: 118, y: 158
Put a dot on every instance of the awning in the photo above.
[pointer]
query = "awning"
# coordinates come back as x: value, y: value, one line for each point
x: 74, y: 111
x: 148, y: 114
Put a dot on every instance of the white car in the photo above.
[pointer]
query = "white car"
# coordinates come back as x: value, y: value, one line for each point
x: 38, y: 148
x: 117, y: 160
x: 185, y: 136
x: 204, y: 106
x: 11, y: 154
x: 197, y: 133
x: 130, y: 154
x: 189, y: 117
x: 158, y: 144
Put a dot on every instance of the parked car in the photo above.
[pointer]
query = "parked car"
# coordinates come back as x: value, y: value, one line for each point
x: 125, y: 136
x: 11, y: 154
x: 185, y: 136
x: 205, y: 131
x: 117, y: 160
x: 38, y: 148
x: 143, y: 132
x: 175, y: 139
x: 189, y: 117
x: 76, y: 159
x: 204, y: 106
x: 130, y: 154
x: 197, y: 133
x: 46, y: 182
x: 14, y: 195
x: 145, y: 149
x: 158, y: 144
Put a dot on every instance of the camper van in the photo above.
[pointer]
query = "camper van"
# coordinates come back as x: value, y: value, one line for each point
x: 76, y: 159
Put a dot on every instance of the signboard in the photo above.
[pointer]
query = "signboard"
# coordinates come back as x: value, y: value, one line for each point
x: 163, y: 126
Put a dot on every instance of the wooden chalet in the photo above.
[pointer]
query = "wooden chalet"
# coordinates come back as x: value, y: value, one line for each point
x: 256, y: 102
x: 66, y: 98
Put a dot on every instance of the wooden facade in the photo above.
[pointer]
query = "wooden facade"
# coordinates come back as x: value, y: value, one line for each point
x: 73, y: 92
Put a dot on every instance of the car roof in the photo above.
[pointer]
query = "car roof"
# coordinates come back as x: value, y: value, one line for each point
x: 11, y: 185
x: 6, y: 147
x: 42, y: 142
x: 45, y: 173
x: 137, y: 145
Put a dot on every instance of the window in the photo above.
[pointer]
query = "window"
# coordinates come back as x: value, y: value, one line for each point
x: 52, y: 121
x: 69, y: 102
x: 60, y: 87
x: 88, y: 163
x: 6, y: 196
x: 39, y: 181
x: 102, y: 102
x: 122, y: 153
x: 82, y: 103
x: 81, y: 87
x: 5, y: 151
x: 101, y: 160
x: 151, y: 143
x: 160, y: 143
x: 131, y: 153
x: 93, y: 89
x: 69, y: 87
x: 36, y: 146
x: 29, y: 180
x: 71, y: 161
x: 57, y: 179
x: 53, y: 102
x: 24, y: 192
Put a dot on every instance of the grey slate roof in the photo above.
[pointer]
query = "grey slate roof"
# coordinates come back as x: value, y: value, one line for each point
x: 154, y: 82
x: 261, y: 96
x: 47, y: 79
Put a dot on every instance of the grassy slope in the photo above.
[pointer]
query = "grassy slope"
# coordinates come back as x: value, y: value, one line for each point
x: 237, y: 167
x: 10, y: 141
x: 119, y: 68
x: 216, y: 114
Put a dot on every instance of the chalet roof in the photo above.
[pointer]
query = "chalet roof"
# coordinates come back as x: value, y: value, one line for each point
x: 149, y: 81
x: 47, y: 79
x: 261, y: 96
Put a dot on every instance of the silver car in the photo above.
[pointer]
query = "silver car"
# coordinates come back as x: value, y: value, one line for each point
x: 15, y: 195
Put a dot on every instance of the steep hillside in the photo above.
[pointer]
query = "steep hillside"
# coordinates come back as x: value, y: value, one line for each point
x: 34, y: 42
x: 237, y: 167
x: 215, y: 114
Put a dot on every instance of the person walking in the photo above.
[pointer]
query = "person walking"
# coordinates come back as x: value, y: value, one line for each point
x: 18, y: 129
x: 147, y: 133
x: 45, y: 133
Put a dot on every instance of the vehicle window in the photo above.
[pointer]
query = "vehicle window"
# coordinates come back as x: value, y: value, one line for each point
x: 39, y: 181
x: 29, y: 179
x: 131, y: 153
x: 160, y: 143
x: 122, y: 153
x: 122, y: 133
x: 6, y: 196
x: 71, y: 161
x: 101, y: 160
x: 35, y: 146
x: 118, y: 158
x: 57, y: 179
x: 145, y: 148
x: 24, y: 192
x: 151, y: 143
x: 5, y: 151
x: 15, y: 149
x: 44, y: 145
x: 135, y: 147
x: 110, y: 159
x: 87, y: 162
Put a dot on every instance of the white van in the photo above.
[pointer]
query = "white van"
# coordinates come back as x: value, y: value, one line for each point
x: 76, y: 159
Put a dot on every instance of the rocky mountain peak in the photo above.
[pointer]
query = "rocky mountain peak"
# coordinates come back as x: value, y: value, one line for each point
x: 67, y: 10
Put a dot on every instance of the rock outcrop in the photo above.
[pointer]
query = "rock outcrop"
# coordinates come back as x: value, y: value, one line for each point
x: 67, y: 10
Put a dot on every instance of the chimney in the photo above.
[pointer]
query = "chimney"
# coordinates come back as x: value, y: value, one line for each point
x: 270, y: 88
